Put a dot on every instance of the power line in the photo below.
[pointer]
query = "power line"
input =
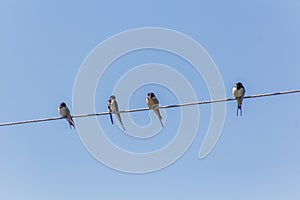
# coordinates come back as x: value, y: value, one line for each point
x: 144, y: 109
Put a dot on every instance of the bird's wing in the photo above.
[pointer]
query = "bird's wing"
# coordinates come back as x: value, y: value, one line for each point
x: 159, y: 116
x: 157, y: 113
x: 116, y: 107
x: 64, y: 112
x: 155, y: 101
x: 243, y: 91
x: 120, y: 120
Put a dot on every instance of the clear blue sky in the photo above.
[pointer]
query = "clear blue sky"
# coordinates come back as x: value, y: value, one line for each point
x: 43, y: 45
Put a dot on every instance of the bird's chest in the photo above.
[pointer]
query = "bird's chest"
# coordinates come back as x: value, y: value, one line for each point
x: 63, y: 112
x: 114, y: 106
x: 150, y: 103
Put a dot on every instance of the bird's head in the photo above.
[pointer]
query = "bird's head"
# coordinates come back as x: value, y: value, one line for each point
x: 152, y: 95
x: 239, y: 85
x: 62, y: 105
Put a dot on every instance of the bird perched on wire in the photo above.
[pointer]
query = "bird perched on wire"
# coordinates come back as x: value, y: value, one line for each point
x: 112, y: 105
x: 238, y: 91
x: 153, y: 103
x: 64, y: 112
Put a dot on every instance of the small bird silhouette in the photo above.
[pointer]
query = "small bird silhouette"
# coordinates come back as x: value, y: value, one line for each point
x: 112, y: 105
x: 153, y: 103
x: 64, y: 112
x: 238, y: 91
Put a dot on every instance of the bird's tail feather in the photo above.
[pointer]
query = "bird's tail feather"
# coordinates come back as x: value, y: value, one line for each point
x: 239, y: 102
x: 111, y: 118
x: 237, y: 111
x: 71, y: 122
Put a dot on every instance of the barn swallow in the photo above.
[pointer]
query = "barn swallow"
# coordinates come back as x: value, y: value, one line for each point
x: 238, y: 92
x: 65, y: 113
x: 152, y: 103
x: 112, y: 105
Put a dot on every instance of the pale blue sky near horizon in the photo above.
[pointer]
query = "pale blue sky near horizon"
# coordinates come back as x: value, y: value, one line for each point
x: 43, y: 45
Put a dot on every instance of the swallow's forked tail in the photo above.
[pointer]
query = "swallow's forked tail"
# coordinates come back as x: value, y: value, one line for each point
x: 237, y: 111
x: 239, y: 102
x: 111, y: 118
x: 71, y: 122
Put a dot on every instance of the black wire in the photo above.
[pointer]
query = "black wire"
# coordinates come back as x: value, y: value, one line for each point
x: 144, y: 109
